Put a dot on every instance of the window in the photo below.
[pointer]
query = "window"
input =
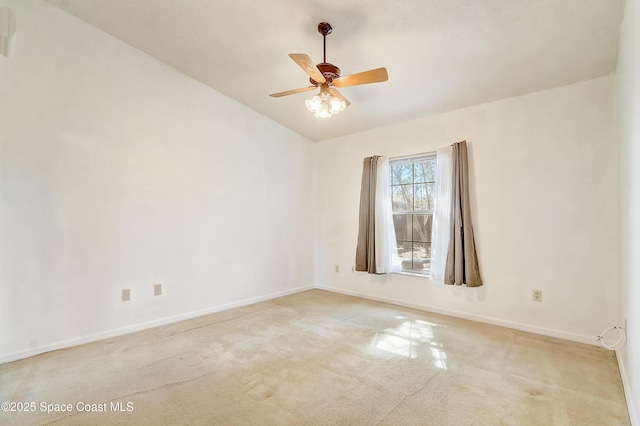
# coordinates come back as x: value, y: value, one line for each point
x: 413, y: 182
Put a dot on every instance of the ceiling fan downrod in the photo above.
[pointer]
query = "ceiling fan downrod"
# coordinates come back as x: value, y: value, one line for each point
x: 329, y: 71
x: 325, y: 29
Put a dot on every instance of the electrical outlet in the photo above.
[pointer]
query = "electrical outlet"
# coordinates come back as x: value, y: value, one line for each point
x: 626, y: 330
x: 157, y: 289
x: 126, y: 295
x: 353, y: 269
x: 537, y: 295
x: 337, y: 268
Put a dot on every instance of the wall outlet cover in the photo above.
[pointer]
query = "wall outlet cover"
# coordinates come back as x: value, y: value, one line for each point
x: 126, y: 295
x: 157, y: 289
x: 537, y: 295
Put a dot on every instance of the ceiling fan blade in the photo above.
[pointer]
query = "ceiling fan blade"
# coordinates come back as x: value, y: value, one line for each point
x: 372, y: 76
x: 305, y: 62
x: 338, y: 95
x: 292, y: 92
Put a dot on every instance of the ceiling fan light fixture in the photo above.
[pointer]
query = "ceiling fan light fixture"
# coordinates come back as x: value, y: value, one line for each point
x: 324, y: 105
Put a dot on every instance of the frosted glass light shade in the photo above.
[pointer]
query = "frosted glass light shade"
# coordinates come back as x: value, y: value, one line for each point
x: 325, y: 105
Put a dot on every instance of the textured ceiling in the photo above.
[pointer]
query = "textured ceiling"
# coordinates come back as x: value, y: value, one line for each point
x: 441, y: 55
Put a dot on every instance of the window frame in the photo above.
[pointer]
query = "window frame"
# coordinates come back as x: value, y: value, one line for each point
x: 432, y: 156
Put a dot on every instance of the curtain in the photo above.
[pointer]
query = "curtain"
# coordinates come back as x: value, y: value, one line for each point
x: 441, y: 215
x: 387, y: 258
x: 376, y: 252
x: 462, y: 262
x: 366, y: 248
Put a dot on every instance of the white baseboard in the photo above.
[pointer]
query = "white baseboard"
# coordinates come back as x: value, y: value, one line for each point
x: 14, y: 356
x: 633, y: 413
x: 591, y: 340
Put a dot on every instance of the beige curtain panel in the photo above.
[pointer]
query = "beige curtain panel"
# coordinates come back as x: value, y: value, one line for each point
x: 462, y: 261
x: 366, y: 248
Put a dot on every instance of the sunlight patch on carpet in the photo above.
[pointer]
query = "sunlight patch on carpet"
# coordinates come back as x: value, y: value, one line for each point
x: 407, y: 338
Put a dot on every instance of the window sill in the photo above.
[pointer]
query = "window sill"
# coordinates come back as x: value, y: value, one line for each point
x: 411, y: 274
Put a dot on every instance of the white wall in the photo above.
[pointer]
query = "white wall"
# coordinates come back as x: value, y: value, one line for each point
x: 545, y: 206
x: 629, y: 118
x: 117, y: 171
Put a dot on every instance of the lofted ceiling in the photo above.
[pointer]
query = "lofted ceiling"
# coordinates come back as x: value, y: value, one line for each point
x: 441, y: 55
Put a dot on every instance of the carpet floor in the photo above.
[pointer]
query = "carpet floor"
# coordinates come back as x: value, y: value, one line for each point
x: 319, y: 358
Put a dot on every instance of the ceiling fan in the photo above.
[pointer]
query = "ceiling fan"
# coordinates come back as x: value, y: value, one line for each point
x: 327, y: 77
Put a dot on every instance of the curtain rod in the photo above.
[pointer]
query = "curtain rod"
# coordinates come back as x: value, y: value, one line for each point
x: 405, y: 157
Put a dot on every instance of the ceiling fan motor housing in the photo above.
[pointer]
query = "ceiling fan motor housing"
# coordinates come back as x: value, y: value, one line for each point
x: 329, y: 71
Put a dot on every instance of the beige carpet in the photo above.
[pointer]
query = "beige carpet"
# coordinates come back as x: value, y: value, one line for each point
x: 318, y: 358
